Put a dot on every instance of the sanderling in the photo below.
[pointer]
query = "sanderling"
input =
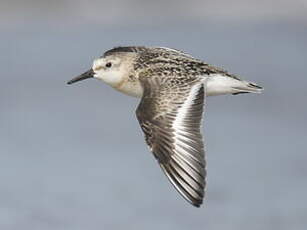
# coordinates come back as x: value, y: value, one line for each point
x: 172, y: 86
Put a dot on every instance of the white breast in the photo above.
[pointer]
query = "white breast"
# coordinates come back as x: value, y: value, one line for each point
x: 133, y: 89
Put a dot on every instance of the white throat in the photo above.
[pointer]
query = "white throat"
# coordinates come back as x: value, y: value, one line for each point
x: 112, y: 78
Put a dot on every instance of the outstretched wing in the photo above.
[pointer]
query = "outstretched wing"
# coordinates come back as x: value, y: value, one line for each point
x: 170, y: 116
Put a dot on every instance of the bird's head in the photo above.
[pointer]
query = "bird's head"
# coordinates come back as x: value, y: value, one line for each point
x: 112, y: 68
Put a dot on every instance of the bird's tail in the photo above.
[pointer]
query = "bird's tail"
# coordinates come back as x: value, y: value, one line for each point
x: 247, y: 87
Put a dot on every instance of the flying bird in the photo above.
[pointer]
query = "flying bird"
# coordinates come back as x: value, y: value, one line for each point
x: 173, y: 87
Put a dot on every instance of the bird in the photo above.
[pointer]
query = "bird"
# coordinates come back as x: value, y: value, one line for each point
x: 173, y: 86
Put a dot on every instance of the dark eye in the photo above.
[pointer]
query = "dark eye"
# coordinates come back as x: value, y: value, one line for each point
x: 109, y: 64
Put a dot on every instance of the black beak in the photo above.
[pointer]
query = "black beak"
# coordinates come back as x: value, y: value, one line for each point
x: 86, y: 75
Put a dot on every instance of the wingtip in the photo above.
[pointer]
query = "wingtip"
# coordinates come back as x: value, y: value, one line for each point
x: 194, y: 197
x: 198, y: 204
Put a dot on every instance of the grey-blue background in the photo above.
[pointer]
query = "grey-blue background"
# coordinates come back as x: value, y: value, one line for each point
x: 73, y: 157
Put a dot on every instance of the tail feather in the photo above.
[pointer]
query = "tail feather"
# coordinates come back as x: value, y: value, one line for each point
x: 219, y: 84
x: 247, y: 87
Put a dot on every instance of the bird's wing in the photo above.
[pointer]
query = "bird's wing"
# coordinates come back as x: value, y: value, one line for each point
x: 170, y: 116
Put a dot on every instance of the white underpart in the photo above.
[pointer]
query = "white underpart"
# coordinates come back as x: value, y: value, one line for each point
x: 130, y: 88
x: 218, y: 84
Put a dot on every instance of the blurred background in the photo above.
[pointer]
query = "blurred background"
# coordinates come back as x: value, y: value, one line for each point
x: 74, y: 157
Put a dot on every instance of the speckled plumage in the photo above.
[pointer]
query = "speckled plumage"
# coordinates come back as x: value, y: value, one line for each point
x: 173, y: 86
x: 168, y: 62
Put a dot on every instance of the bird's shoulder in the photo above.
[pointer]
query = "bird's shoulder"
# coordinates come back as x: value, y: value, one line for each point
x: 172, y: 63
